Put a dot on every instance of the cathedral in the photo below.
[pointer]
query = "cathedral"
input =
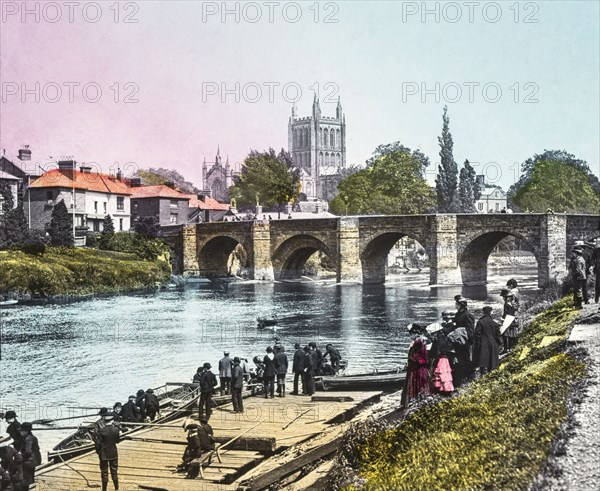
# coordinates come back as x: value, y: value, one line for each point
x: 317, y: 145
x: 218, y: 178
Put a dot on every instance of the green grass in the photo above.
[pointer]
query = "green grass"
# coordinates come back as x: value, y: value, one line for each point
x: 65, y: 271
x: 496, y: 435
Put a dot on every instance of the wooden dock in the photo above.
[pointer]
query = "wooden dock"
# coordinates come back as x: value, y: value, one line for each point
x: 148, y: 459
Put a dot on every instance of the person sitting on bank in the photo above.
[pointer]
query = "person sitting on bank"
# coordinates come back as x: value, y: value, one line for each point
x: 487, y: 342
x: 30, y: 450
x: 13, y: 428
x: 193, y: 450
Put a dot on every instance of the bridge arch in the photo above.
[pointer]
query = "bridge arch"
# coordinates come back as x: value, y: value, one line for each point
x: 215, y: 257
x: 291, y: 256
x: 473, y: 258
x: 374, y: 255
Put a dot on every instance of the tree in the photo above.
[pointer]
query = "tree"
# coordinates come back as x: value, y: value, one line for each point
x: 446, y: 182
x: 14, y: 230
x: 266, y: 178
x: 558, y: 185
x: 393, y: 184
x: 108, y: 230
x: 396, y: 146
x: 61, y: 232
x: 7, y: 196
x: 153, y: 177
x: 147, y: 226
x: 468, y: 189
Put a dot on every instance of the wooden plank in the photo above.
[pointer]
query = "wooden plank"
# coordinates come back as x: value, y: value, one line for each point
x: 251, y: 443
x: 331, y: 398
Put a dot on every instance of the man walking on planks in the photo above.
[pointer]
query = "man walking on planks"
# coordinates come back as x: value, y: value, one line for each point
x: 225, y: 366
x: 106, y: 447
x: 237, y: 385
x: 208, y: 382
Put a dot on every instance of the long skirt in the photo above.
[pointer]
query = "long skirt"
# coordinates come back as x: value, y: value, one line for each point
x: 416, y: 384
x: 441, y: 379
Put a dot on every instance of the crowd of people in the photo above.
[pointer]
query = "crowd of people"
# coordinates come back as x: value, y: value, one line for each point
x: 18, y: 462
x: 446, y: 354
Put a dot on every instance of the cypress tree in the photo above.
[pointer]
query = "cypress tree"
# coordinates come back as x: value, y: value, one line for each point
x: 14, y: 230
x: 468, y: 190
x: 7, y: 196
x: 108, y: 230
x: 446, y: 182
x: 61, y: 233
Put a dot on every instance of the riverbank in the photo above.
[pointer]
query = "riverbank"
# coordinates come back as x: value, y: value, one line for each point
x: 495, y: 434
x: 77, y: 272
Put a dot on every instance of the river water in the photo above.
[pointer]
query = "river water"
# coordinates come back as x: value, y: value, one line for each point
x: 96, y: 352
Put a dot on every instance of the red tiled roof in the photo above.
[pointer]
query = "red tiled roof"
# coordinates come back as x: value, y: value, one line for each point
x: 207, y: 204
x: 158, y: 191
x: 88, y: 181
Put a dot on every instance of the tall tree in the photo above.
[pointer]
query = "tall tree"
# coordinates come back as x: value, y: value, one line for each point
x: 7, y: 196
x: 14, y: 230
x: 398, y: 147
x: 446, y: 182
x: 391, y: 185
x: 61, y: 231
x: 108, y: 230
x: 267, y: 178
x: 468, y: 190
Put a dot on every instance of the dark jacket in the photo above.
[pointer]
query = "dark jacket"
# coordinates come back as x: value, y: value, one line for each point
x: 205, y: 433
x: 12, y: 461
x: 309, y: 363
x: 107, y: 443
x: 130, y: 412
x: 281, y: 363
x: 197, y: 377
x: 237, y: 377
x: 269, y: 366
x: 152, y: 401
x: 208, y: 382
x: 30, y: 449
x: 13, y: 431
x: 595, y: 261
x: 298, y: 364
x: 464, y: 318
x: 193, y: 449
x: 487, y: 338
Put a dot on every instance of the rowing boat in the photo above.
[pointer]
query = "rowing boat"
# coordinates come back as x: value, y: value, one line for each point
x: 387, y: 381
x: 8, y: 303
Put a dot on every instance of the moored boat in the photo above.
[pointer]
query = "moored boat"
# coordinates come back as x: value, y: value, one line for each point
x: 263, y: 322
x: 387, y: 381
x: 8, y: 303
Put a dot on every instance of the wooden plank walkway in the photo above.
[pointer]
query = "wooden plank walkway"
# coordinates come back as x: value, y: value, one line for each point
x: 151, y: 457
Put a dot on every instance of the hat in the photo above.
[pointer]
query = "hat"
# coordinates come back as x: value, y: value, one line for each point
x: 131, y: 397
x: 448, y: 313
x: 460, y: 299
x: 26, y: 427
x: 150, y: 391
x: 103, y: 411
x: 189, y: 423
x: 297, y: 345
x: 10, y: 415
x: 226, y: 353
x: 207, y: 366
x: 236, y: 360
x: 434, y: 327
x: 579, y: 243
x: 140, y: 392
x: 512, y: 283
x: 414, y: 328
x: 578, y: 248
x: 487, y: 309
x: 506, y: 293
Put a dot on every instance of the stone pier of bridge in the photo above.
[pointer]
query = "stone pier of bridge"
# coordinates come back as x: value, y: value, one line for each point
x: 458, y: 245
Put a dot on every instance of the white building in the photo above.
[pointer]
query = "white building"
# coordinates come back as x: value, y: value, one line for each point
x: 492, y: 200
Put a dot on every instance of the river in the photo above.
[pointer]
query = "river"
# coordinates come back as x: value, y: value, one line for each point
x: 96, y: 352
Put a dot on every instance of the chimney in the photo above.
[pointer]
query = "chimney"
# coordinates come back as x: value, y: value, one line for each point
x: 202, y: 197
x: 66, y: 167
x: 84, y: 169
x: 119, y: 175
x: 135, y: 182
x: 25, y: 153
x: 169, y: 184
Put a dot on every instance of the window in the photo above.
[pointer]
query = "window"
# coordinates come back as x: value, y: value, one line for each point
x: 480, y: 206
x: 96, y: 225
x: 173, y: 203
x: 95, y: 207
x: 120, y: 203
x: 105, y: 207
x: 332, y: 138
x: 173, y: 218
x: 497, y: 206
x: 120, y: 224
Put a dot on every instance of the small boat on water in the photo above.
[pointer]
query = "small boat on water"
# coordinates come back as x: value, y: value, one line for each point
x: 175, y: 400
x: 263, y: 322
x: 8, y: 303
x: 388, y: 381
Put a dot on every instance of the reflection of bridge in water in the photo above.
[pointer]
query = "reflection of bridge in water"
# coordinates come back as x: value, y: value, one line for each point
x: 458, y: 246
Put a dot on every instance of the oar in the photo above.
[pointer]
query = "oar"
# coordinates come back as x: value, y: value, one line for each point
x: 297, y: 417
x: 165, y: 425
x: 52, y: 421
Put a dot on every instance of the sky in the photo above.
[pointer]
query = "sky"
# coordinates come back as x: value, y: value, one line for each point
x: 163, y: 84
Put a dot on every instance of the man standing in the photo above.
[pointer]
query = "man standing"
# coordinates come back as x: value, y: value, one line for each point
x: 298, y: 368
x: 464, y: 318
x: 334, y: 357
x: 13, y: 428
x: 152, y: 404
x: 30, y: 450
x: 106, y: 448
x: 487, y: 340
x: 595, y: 260
x: 130, y: 412
x: 208, y: 382
x: 237, y: 385
x: 225, y: 374
x: 578, y: 276
x: 318, y: 358
x: 309, y: 371
x: 269, y: 374
x: 281, y: 367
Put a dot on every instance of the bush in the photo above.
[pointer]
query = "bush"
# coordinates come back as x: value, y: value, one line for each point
x: 143, y: 247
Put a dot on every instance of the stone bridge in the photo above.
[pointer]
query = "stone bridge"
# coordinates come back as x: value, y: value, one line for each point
x: 458, y: 246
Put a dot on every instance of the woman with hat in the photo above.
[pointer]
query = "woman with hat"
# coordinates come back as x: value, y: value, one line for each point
x: 441, y: 370
x: 511, y: 333
x: 416, y: 384
x: 13, y: 428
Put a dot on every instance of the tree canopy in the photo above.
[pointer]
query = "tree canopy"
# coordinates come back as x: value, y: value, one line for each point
x: 396, y: 146
x: 468, y: 190
x: 154, y: 177
x: 266, y: 178
x: 392, y: 184
x: 559, y: 181
x: 446, y: 182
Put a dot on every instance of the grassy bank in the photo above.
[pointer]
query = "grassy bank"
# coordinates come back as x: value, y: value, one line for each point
x: 495, y: 435
x: 74, y: 271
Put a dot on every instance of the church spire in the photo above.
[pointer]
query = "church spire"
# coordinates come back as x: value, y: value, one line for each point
x: 338, y: 110
x: 218, y: 156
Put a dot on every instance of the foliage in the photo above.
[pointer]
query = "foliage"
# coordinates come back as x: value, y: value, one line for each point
x: 554, y: 180
x: 396, y: 146
x: 496, y: 434
x: 152, y: 176
x: 147, y: 226
x: 446, y: 182
x: 108, y: 230
x: 267, y: 178
x: 14, y: 230
x: 468, y: 189
x: 143, y: 247
x: 7, y: 196
x: 61, y: 232
x: 76, y: 271
x: 391, y: 185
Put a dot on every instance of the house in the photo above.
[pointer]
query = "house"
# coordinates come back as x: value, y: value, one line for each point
x: 492, y: 199
x: 161, y: 201
x: 21, y: 167
x: 96, y: 195
x: 203, y: 208
x: 13, y: 184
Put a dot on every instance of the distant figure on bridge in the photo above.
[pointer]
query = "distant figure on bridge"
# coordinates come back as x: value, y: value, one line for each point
x: 416, y: 384
x: 487, y: 342
x: 578, y: 271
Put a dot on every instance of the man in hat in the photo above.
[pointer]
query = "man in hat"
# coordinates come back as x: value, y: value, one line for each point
x: 318, y: 357
x: 578, y: 277
x: 237, y: 385
x: 595, y: 263
x: 30, y: 450
x: 280, y: 362
x: 106, y: 448
x: 334, y: 357
x: 130, y: 413
x: 509, y: 337
x: 152, y: 404
x: 464, y: 353
x: 193, y: 450
x: 487, y: 339
x: 298, y: 368
x: 310, y: 362
x: 225, y: 366
x: 208, y: 382
x: 13, y: 428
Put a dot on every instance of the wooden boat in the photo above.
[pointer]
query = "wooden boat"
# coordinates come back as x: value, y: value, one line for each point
x: 263, y: 322
x: 8, y: 303
x: 387, y: 381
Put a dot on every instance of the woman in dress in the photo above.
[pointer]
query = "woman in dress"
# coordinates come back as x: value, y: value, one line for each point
x: 416, y: 384
x: 441, y: 374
